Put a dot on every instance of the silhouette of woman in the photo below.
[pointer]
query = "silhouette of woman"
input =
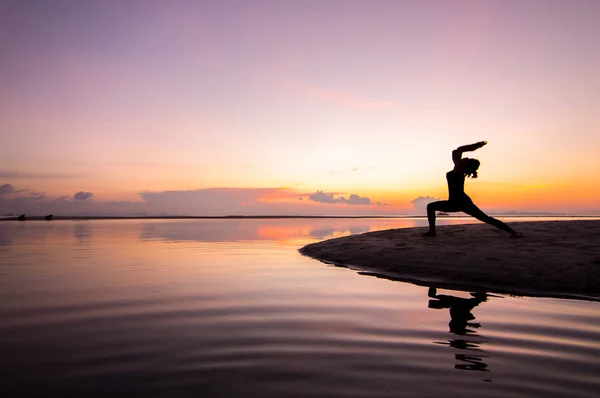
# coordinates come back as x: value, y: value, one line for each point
x: 458, y: 200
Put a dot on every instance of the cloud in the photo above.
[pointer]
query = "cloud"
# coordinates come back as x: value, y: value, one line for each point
x: 6, y: 189
x: 225, y: 196
x: 322, y: 197
x: 221, y: 201
x: 199, y: 202
x: 82, y: 195
x: 21, y: 175
x: 354, y: 199
x: 38, y: 195
x: 39, y: 203
x: 421, y: 202
x: 357, y: 200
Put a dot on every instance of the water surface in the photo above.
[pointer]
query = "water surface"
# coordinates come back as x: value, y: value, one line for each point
x: 229, y: 307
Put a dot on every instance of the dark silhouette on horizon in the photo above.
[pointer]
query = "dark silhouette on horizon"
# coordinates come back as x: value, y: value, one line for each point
x: 22, y: 217
x: 460, y: 324
x: 458, y: 200
x: 49, y: 217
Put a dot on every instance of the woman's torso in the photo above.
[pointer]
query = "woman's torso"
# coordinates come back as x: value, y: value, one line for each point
x: 456, y: 186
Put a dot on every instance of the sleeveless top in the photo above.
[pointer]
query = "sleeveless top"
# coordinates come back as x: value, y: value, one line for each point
x: 456, y: 186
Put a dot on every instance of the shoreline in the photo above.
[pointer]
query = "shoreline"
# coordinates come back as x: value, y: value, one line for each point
x: 556, y: 259
x: 239, y: 217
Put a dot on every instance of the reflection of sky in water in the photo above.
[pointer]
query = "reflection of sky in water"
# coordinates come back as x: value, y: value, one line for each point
x: 267, y: 229
x: 4, y: 237
x: 285, y: 230
x: 207, y: 301
x: 82, y: 231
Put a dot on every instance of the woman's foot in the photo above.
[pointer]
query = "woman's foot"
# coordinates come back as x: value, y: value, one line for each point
x: 429, y: 233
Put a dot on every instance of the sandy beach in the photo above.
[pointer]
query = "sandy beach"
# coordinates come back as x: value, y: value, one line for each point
x: 555, y: 259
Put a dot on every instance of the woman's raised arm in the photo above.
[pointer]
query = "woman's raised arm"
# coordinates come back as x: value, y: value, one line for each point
x: 457, y: 153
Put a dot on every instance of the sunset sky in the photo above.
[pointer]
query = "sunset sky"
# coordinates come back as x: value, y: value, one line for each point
x: 296, y: 107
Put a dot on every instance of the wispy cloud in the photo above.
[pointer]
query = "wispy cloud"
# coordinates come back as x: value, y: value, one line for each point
x: 38, y: 195
x: 17, y: 175
x: 353, y: 199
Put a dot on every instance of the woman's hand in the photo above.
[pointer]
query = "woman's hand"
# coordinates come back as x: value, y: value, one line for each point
x: 457, y: 153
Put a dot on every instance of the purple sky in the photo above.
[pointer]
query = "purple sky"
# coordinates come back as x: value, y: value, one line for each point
x: 122, y: 98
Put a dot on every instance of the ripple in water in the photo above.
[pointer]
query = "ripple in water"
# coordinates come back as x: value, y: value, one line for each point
x: 229, y: 308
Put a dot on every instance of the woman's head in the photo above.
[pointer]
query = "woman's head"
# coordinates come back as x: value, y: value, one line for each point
x: 470, y: 167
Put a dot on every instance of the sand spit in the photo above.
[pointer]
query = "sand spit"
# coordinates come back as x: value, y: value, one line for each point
x: 555, y: 259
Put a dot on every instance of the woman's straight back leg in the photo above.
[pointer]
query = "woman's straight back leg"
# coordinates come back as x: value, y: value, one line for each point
x: 476, y: 212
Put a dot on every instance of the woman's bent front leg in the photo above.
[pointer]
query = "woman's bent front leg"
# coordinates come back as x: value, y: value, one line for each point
x: 442, y: 205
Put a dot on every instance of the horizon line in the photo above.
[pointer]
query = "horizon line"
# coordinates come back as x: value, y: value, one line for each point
x: 237, y: 217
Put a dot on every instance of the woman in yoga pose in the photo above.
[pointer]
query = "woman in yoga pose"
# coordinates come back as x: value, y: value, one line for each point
x: 457, y: 198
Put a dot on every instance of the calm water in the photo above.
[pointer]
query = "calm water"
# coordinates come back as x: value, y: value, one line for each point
x: 230, y: 308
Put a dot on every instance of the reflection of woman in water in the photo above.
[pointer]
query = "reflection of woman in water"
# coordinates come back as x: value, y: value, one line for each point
x: 457, y: 198
x: 460, y: 309
x: 471, y: 357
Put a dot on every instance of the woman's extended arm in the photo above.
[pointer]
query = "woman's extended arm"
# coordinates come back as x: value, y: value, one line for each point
x: 457, y: 153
